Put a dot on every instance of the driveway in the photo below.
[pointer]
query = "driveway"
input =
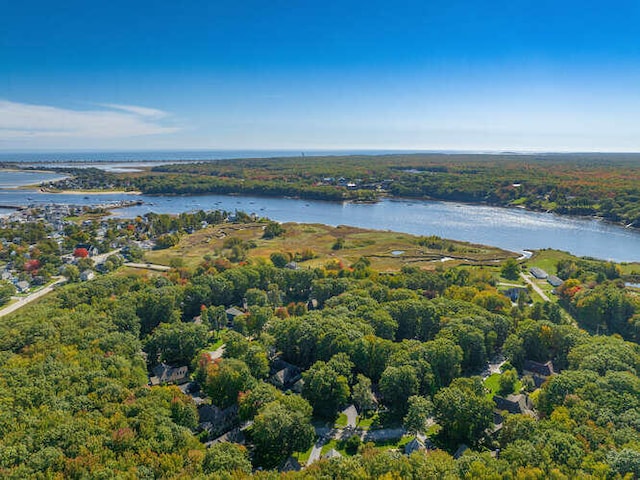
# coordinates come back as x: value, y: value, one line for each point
x: 537, y: 289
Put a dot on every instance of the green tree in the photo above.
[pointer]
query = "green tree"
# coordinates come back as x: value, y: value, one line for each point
x: 6, y: 291
x: 418, y: 413
x: 226, y: 458
x: 279, y: 259
x: 326, y: 388
x: 273, y: 229
x: 511, y: 269
x: 225, y: 379
x: 281, y: 429
x: 463, y: 411
x: 177, y: 343
x: 397, y: 384
x: 362, y: 395
x: 507, y: 382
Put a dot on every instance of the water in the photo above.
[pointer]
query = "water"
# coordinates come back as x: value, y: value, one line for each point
x: 511, y: 229
x: 13, y: 179
x: 177, y: 155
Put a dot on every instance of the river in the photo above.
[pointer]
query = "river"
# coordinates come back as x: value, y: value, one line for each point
x: 509, y: 228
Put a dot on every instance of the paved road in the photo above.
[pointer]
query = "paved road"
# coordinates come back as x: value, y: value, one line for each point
x: 148, y: 266
x: 538, y: 290
x: 98, y: 259
x: 352, y: 416
x: 30, y: 298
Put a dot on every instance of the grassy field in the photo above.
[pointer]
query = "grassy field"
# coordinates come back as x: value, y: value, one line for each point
x: 548, y: 259
x: 492, y: 383
x: 387, y: 251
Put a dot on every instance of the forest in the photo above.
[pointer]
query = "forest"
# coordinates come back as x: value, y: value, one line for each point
x: 408, y: 349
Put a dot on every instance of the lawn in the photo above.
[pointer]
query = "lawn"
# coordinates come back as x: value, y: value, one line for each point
x: 547, y: 260
x: 341, y: 421
x: 369, y: 422
x: 303, y: 457
x: 492, y: 383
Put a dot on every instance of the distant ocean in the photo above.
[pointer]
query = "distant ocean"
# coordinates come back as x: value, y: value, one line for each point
x: 177, y: 155
x: 163, y: 156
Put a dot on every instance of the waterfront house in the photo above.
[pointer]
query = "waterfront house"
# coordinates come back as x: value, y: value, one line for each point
x: 554, y: 281
x: 538, y: 273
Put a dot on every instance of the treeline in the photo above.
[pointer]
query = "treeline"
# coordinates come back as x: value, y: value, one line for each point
x: 193, y: 185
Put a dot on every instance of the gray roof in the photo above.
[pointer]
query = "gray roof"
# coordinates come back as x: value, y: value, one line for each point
x: 538, y: 272
x: 333, y: 453
x: 413, y: 446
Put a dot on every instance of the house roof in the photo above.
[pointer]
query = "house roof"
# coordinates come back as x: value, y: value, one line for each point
x: 166, y: 373
x: 538, y: 272
x: 514, y: 404
x: 233, y: 311
x: 554, y: 281
x: 333, y: 453
x: 544, y: 369
x: 413, y: 446
x: 460, y: 451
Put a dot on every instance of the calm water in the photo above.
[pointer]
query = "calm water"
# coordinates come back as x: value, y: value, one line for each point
x: 511, y: 229
x: 12, y: 179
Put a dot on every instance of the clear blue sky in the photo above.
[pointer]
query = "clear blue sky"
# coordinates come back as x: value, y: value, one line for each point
x: 309, y: 74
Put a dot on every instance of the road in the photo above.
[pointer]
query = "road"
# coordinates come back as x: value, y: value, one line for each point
x: 30, y: 298
x: 148, y: 266
x: 98, y: 259
x: 537, y: 289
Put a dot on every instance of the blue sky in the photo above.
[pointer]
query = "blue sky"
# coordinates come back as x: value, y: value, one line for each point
x: 298, y: 74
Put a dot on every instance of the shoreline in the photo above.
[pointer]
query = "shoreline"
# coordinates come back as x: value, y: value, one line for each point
x: 89, y: 192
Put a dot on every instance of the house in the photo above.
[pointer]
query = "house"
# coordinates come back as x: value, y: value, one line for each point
x: 87, y: 275
x: 414, y: 445
x: 291, y: 266
x: 232, y: 313
x: 514, y: 404
x: 89, y: 248
x: 554, y: 281
x: 460, y: 451
x: 298, y: 386
x: 216, y: 421
x: 22, y: 286
x: 538, y: 273
x: 164, y: 373
x: 540, y: 372
x: 291, y: 465
x: 284, y: 375
x: 333, y: 453
x: 514, y: 293
x: 235, y: 435
x: 544, y: 369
